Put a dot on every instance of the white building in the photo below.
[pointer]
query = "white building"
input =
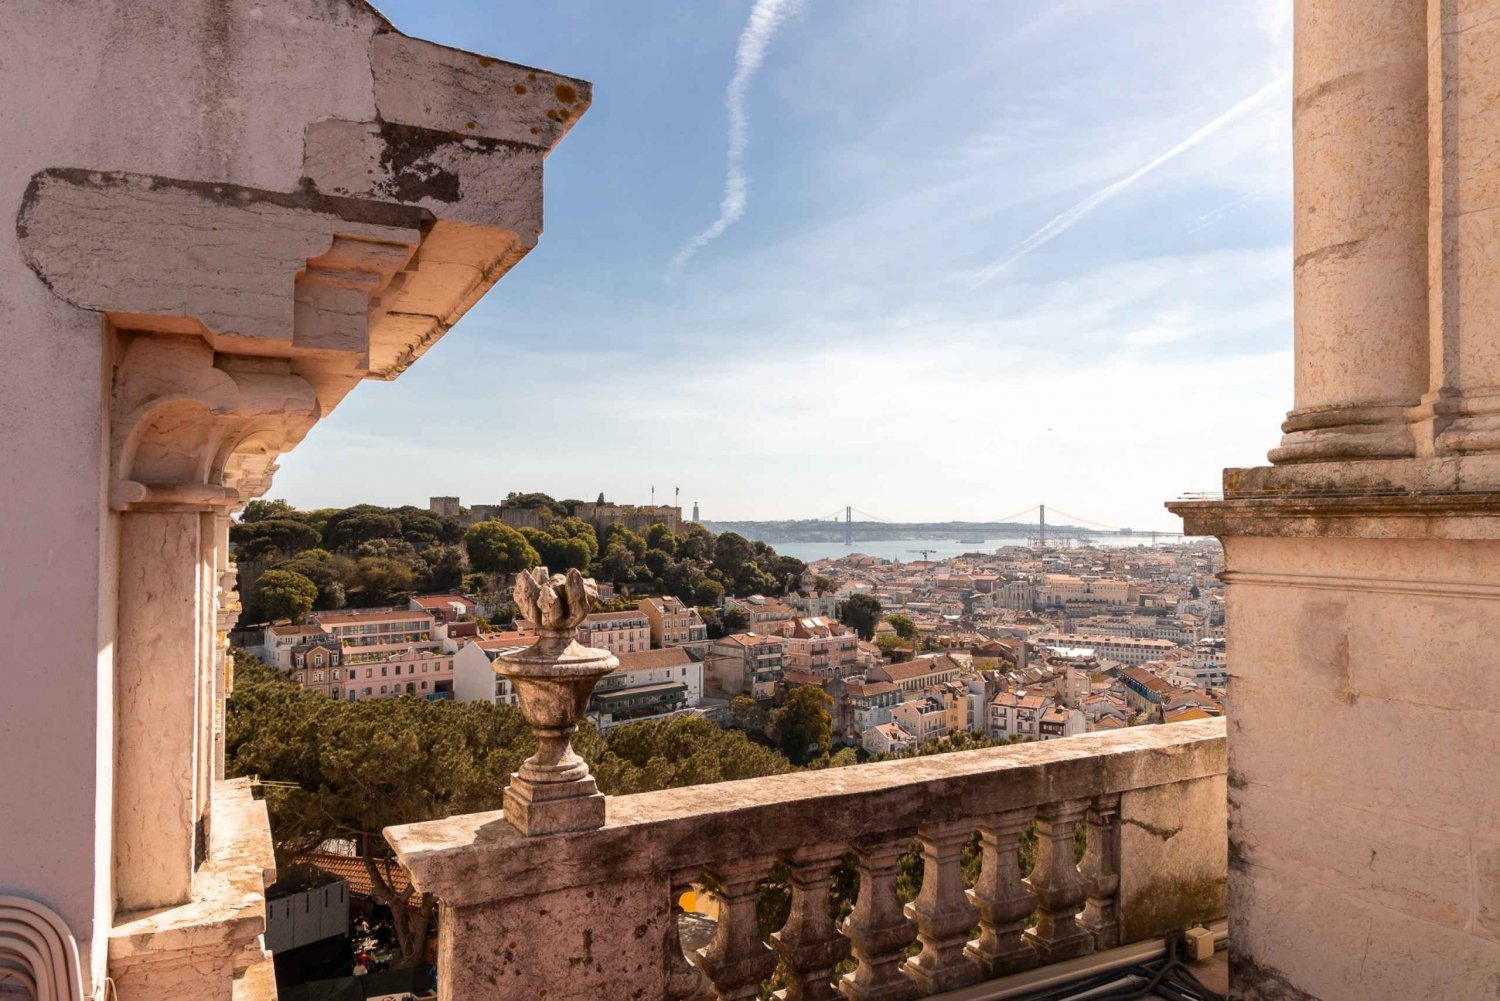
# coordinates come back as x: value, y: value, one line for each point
x: 474, y: 677
x: 648, y: 684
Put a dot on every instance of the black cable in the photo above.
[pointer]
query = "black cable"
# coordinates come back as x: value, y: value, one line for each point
x: 1167, y: 977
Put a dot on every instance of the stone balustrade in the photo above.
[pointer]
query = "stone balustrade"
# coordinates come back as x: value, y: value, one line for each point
x: 594, y: 913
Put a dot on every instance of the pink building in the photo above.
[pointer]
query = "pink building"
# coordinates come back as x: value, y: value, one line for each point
x: 817, y: 646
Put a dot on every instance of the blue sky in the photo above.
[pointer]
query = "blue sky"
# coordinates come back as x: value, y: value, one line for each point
x: 991, y: 253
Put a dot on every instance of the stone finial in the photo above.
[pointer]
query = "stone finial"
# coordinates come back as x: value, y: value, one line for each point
x: 553, y: 602
x: 553, y: 792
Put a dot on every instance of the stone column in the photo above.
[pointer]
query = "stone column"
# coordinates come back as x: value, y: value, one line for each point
x: 1360, y: 149
x: 1462, y: 408
x: 157, y: 703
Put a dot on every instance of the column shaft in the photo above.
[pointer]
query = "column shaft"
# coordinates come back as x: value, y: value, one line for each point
x: 1361, y: 162
x: 157, y: 708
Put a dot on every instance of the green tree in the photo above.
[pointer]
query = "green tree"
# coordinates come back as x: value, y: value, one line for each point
x: 735, y: 620
x: 711, y: 621
x: 446, y: 566
x: 619, y: 534
x: 660, y: 538
x: 746, y: 714
x: 708, y: 592
x: 497, y: 548
x: 346, y: 529
x: 804, y: 724
x: 334, y: 575
x: 617, y: 562
x: 823, y: 585
x: 390, y: 548
x: 382, y: 580
x: 695, y: 543
x: 557, y: 551
x: 861, y: 612
x: 272, y: 537
x: 284, y: 594
x: 904, y: 626
x: 260, y: 510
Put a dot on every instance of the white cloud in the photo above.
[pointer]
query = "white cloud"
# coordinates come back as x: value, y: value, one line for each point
x: 1065, y: 221
x: 765, y: 18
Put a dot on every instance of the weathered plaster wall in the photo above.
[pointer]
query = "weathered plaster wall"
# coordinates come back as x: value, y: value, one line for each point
x: 1172, y: 866
x: 204, y: 94
x: 1364, y: 746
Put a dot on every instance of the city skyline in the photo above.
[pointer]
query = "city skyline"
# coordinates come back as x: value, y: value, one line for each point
x: 1072, y: 284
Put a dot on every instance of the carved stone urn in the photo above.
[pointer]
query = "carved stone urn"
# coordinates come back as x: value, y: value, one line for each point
x: 553, y: 791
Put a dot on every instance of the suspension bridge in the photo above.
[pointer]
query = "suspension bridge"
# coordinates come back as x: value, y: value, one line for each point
x: 1065, y: 527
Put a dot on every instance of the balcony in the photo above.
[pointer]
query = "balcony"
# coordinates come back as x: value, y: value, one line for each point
x: 594, y: 913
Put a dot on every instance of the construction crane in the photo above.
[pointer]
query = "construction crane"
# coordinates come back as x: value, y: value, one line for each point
x: 925, y: 553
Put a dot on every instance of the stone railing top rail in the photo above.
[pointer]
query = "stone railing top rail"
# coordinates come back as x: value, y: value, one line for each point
x: 480, y: 857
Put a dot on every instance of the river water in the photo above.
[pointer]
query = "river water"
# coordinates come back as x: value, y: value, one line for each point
x: 907, y: 550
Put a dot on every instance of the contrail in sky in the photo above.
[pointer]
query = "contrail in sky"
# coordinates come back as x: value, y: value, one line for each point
x: 765, y: 18
x: 1062, y: 223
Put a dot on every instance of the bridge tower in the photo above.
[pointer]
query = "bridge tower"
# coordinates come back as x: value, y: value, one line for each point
x: 1042, y: 525
x: 849, y: 525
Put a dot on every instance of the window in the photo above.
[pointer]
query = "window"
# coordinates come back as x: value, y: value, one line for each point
x: 367, y: 690
x: 383, y: 671
x: 382, y: 690
x: 368, y: 671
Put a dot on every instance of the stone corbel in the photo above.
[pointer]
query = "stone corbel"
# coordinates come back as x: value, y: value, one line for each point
x: 195, y: 431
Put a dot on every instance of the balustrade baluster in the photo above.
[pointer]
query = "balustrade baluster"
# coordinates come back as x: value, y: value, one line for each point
x: 1059, y: 889
x: 1003, y: 899
x: 942, y: 911
x: 685, y: 981
x: 877, y: 929
x: 737, y: 961
x: 1101, y: 873
x: 809, y: 943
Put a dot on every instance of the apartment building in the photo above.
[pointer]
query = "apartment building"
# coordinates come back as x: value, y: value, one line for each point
x: 919, y: 673
x: 371, y: 634
x: 648, y: 684
x: 617, y: 632
x: 1144, y: 690
x: 746, y: 664
x: 674, y: 624
x: 824, y: 605
x: 1125, y: 649
x: 423, y: 673
x: 278, y: 642
x: 819, y: 647
x: 765, y: 615
x: 1200, y: 671
x: 936, y: 712
x: 313, y: 664
x: 888, y: 738
x: 865, y: 704
x: 1035, y: 715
